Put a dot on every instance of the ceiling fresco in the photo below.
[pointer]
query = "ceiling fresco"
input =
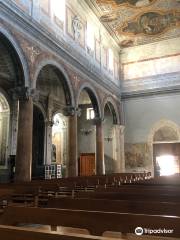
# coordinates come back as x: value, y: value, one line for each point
x: 135, y: 22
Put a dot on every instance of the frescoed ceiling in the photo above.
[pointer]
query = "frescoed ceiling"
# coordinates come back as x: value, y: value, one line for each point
x: 135, y: 22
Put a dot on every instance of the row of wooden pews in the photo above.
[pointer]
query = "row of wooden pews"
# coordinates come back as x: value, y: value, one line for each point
x: 36, y: 193
x: 98, y: 208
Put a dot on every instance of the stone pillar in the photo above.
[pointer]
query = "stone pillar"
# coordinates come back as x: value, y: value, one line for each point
x: 48, y: 144
x: 72, y: 139
x: 24, y: 138
x: 116, y: 148
x: 122, y: 154
x: 100, y: 169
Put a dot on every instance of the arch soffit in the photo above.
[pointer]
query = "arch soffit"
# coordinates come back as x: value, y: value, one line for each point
x: 20, y: 54
x: 87, y: 86
x: 110, y: 100
x: 53, y: 63
x: 163, y: 123
x: 38, y: 105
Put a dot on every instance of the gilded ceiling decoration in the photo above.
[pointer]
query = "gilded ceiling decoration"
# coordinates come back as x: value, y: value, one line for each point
x: 135, y: 22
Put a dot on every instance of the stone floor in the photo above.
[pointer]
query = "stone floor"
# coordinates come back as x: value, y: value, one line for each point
x: 109, y: 235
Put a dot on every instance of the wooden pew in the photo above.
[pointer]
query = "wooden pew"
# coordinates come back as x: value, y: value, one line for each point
x: 146, y: 197
x: 139, y: 207
x: 16, y: 233
x: 96, y: 222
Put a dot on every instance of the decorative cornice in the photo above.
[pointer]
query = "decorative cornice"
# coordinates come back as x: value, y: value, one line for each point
x: 158, y: 84
x: 10, y: 12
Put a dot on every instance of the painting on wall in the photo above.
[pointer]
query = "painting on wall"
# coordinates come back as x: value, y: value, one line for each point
x: 136, y: 155
x: 151, y: 23
x: 133, y: 3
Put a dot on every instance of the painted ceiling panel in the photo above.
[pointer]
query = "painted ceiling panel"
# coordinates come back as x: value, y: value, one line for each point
x: 135, y: 22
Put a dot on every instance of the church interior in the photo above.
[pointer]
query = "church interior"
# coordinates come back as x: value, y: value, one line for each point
x: 89, y: 119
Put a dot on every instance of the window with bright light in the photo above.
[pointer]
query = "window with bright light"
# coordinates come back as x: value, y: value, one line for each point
x: 168, y: 165
x: 90, y: 36
x: 111, y: 60
x: 90, y: 113
x: 58, y: 8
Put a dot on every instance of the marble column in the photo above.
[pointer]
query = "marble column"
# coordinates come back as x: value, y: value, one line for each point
x: 24, y: 138
x: 100, y: 169
x: 73, y: 145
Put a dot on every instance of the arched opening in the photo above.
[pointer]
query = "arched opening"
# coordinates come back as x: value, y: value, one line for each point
x: 166, y: 153
x: 87, y: 132
x: 4, y: 129
x: 11, y: 72
x: 11, y: 77
x: 110, y: 148
x: 54, y: 97
x: 60, y: 141
x: 38, y: 143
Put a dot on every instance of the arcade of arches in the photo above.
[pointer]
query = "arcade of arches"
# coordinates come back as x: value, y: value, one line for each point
x: 42, y: 125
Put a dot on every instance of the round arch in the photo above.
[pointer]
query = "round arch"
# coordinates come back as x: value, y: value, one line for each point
x: 155, y: 128
x: 160, y: 124
x: 93, y: 97
x: 113, y: 108
x: 15, y: 45
x: 55, y: 64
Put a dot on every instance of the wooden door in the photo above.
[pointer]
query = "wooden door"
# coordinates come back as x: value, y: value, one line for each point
x: 87, y: 164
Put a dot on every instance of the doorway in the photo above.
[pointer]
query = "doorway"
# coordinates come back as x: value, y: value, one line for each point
x: 166, y: 159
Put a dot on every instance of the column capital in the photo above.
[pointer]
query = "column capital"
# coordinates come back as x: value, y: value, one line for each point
x: 24, y: 93
x: 119, y: 127
x: 98, y: 120
x: 71, y: 111
x: 49, y: 123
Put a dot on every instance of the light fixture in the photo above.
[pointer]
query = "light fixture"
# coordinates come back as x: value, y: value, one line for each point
x: 108, y: 139
x: 86, y: 131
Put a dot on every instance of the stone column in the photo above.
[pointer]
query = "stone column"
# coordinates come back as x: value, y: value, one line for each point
x: 118, y: 148
x: 49, y: 124
x: 100, y: 169
x: 24, y: 137
x: 72, y: 139
x: 48, y: 144
x: 122, y: 154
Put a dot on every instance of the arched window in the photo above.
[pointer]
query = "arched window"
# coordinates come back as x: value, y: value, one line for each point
x: 4, y: 129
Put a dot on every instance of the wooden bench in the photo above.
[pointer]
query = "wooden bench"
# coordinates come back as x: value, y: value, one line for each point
x: 96, y: 222
x: 139, y: 207
x: 146, y: 197
x: 16, y: 233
